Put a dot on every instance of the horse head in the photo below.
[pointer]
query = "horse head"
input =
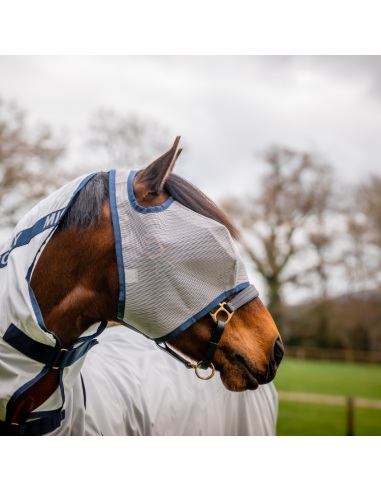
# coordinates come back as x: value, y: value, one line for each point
x: 76, y: 284
x: 250, y: 349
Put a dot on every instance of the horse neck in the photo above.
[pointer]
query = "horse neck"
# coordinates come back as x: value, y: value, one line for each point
x: 75, y: 281
x: 76, y: 284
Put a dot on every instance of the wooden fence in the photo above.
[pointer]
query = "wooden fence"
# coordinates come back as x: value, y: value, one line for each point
x: 333, y: 400
x: 328, y: 399
x: 347, y: 355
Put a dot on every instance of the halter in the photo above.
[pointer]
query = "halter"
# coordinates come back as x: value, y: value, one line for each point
x: 228, y: 308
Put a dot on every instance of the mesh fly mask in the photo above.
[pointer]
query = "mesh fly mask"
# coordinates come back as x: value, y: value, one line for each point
x: 175, y: 266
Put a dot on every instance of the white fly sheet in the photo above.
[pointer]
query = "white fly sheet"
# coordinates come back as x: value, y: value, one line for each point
x: 22, y: 327
x: 131, y: 388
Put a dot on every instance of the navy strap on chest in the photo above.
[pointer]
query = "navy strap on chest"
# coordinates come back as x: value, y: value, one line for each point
x: 47, y: 355
x: 37, y: 427
x: 50, y: 357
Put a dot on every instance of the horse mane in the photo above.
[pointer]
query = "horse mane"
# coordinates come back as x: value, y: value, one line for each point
x: 86, y: 207
x: 191, y: 197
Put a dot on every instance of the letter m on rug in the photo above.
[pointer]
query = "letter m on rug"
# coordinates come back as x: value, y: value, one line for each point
x: 49, y: 220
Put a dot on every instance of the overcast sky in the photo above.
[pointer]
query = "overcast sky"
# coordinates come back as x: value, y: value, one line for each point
x: 227, y: 109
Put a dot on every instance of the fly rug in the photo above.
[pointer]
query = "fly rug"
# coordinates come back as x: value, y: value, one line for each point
x: 149, y: 252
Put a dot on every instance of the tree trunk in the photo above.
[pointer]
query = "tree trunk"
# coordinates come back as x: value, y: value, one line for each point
x: 275, y: 305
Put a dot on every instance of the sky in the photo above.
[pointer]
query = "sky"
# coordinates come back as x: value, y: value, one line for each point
x: 226, y: 108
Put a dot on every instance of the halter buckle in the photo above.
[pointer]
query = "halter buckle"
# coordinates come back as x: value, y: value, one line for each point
x: 221, y: 308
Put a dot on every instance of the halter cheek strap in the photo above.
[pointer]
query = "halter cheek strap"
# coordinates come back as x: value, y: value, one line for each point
x: 228, y: 308
x: 218, y: 330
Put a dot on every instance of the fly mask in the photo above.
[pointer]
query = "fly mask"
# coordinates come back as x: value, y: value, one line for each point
x: 174, y: 264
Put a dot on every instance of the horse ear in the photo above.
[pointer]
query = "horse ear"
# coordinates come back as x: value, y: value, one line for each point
x: 156, y: 174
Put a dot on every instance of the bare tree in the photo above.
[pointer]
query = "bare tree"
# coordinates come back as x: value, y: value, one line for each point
x: 351, y: 320
x: 29, y: 156
x: 369, y: 202
x: 278, y: 224
x: 129, y: 141
x: 364, y: 224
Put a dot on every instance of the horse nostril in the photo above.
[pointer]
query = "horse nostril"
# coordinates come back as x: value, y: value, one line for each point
x: 278, y: 351
x: 276, y: 357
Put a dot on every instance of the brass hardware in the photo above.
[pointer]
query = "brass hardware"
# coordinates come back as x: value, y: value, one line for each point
x: 14, y: 423
x: 198, y: 375
x: 221, y: 308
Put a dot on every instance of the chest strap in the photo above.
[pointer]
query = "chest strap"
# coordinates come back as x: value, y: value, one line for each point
x: 40, y: 423
x: 52, y: 357
x: 37, y: 427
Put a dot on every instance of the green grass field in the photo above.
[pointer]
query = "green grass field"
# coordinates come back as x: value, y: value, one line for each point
x: 328, y: 378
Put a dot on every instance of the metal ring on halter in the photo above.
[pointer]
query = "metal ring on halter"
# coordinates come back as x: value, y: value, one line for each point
x: 243, y: 297
x: 198, y: 375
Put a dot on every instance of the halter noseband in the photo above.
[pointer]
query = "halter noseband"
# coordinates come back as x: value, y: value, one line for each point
x: 228, y: 308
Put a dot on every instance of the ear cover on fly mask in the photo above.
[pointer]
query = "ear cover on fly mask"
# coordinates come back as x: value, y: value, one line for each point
x: 174, y: 264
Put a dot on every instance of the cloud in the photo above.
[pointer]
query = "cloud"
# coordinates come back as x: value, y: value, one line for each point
x: 226, y: 108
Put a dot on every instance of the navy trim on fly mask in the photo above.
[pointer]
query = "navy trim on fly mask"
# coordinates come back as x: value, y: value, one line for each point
x: 201, y: 313
x: 246, y: 295
x: 118, y: 244
x: 134, y: 203
x: 117, y: 231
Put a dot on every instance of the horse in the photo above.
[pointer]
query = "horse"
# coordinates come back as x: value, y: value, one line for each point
x: 76, y: 283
